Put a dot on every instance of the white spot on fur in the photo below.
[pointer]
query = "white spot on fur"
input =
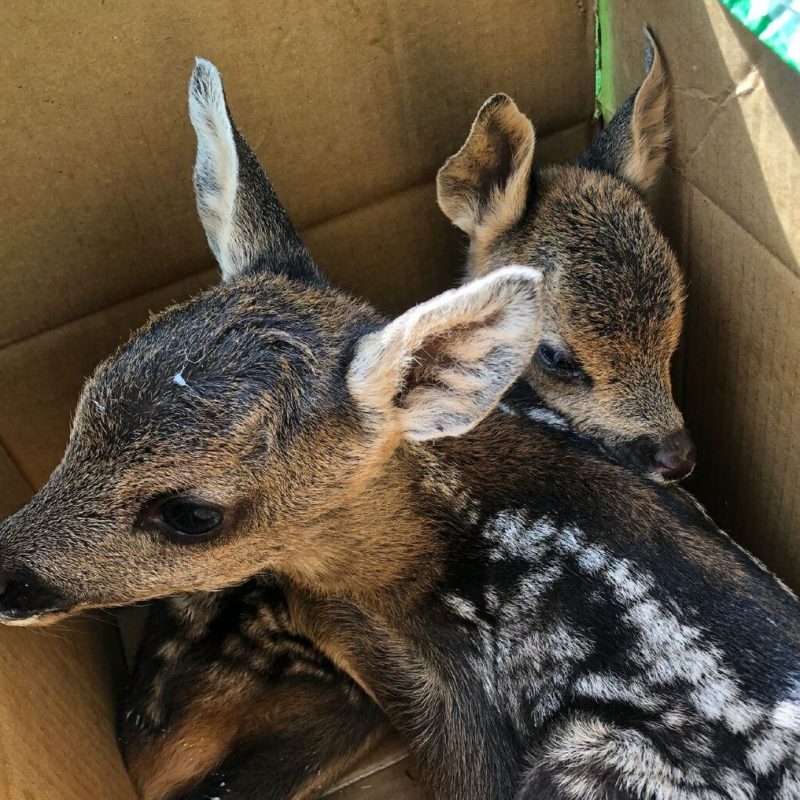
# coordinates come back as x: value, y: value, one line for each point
x: 570, y: 540
x: 610, y: 688
x: 592, y: 559
x: 463, y: 607
x: 515, y: 536
x: 790, y: 786
x: 492, y: 600
x: 507, y: 409
x: 548, y: 417
x: 532, y: 587
x: 628, y: 585
x: 787, y: 715
x: 771, y: 747
x: 675, y: 651
x: 178, y: 379
x: 736, y: 784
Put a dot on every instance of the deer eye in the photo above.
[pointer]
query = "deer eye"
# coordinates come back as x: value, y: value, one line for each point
x: 184, y: 519
x: 557, y: 362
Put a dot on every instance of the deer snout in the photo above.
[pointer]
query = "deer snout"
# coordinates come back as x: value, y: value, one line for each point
x: 675, y: 458
x: 669, y: 459
x: 23, y: 596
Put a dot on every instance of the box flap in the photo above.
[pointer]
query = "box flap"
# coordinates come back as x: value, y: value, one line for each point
x: 345, y: 103
x: 57, y: 695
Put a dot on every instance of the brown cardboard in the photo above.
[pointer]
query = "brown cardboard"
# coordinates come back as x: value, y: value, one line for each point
x: 58, y: 690
x: 16, y: 491
x: 397, y: 782
x: 57, y: 695
x: 729, y: 203
x: 388, y: 765
x: 742, y: 384
x: 347, y: 103
x: 735, y: 108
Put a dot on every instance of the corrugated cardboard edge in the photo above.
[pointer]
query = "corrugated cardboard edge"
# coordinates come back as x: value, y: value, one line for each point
x: 729, y: 204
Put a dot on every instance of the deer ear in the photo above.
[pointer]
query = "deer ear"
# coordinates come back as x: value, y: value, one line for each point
x: 634, y: 144
x: 441, y: 367
x: 486, y: 182
x: 246, y: 225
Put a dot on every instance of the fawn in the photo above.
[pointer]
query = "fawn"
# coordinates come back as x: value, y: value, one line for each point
x: 535, y: 620
x: 179, y: 677
x: 612, y: 299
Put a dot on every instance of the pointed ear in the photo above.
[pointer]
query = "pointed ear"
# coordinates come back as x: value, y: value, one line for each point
x: 246, y: 226
x: 441, y: 367
x: 486, y: 182
x: 634, y: 144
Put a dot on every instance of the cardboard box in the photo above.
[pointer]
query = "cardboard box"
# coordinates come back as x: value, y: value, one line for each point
x: 729, y: 202
x: 352, y: 107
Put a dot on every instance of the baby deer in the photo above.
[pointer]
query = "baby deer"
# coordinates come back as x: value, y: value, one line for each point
x: 612, y: 295
x: 536, y: 621
x: 228, y: 699
x: 172, y: 693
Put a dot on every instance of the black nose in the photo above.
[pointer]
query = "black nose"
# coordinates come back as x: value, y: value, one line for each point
x: 674, y: 457
x: 11, y: 590
x: 23, y: 595
x: 9, y: 594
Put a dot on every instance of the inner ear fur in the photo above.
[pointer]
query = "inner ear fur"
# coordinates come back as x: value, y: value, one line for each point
x: 486, y: 182
x: 441, y: 367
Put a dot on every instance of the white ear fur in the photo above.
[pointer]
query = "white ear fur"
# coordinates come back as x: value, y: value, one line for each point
x: 246, y: 225
x: 216, y: 169
x: 441, y: 367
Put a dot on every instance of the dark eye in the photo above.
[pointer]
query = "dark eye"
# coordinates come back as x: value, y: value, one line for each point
x: 185, y: 519
x: 557, y: 362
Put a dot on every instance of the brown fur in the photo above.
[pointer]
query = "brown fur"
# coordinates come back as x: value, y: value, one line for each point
x: 227, y: 695
x: 622, y: 328
x: 483, y: 187
x: 220, y: 722
x: 613, y: 293
x: 174, y: 762
x: 649, y: 134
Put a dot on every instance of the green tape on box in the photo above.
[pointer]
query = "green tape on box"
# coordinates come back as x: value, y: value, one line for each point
x: 774, y: 22
x: 604, y: 75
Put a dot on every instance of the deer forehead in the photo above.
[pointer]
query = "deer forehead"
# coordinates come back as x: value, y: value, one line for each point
x: 600, y: 251
x: 209, y: 371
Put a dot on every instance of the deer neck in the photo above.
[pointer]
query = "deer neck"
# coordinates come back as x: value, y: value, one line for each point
x: 378, y: 545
